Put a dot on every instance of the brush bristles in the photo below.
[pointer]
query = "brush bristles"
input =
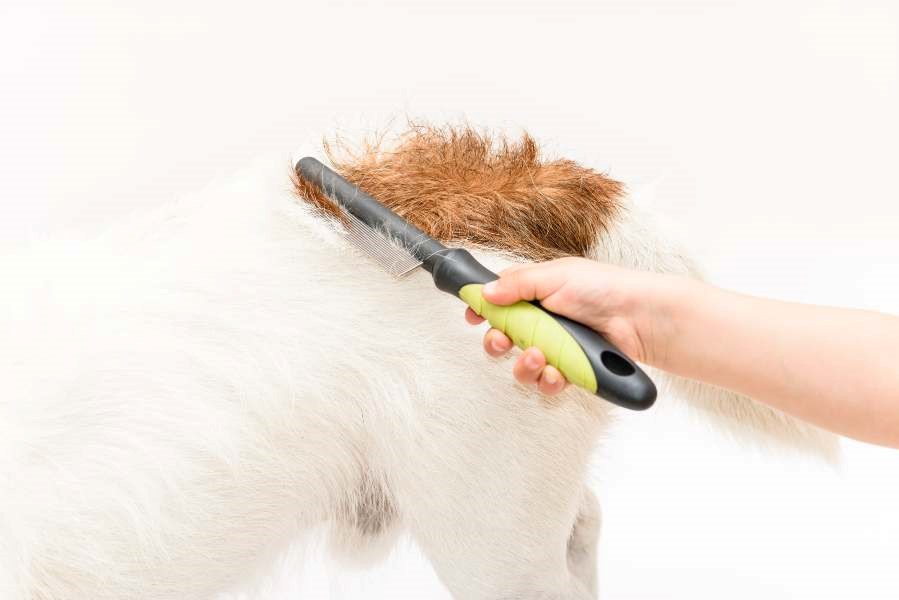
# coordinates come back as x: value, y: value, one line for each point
x: 388, y: 253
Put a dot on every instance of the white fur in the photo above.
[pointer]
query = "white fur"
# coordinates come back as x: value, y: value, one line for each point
x: 189, y: 392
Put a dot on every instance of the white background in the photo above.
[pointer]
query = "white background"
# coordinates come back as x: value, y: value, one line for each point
x: 766, y: 130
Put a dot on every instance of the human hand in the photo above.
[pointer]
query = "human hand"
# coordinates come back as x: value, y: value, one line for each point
x: 629, y: 308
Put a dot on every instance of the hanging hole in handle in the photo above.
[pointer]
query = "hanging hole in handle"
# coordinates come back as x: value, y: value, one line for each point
x: 617, y: 364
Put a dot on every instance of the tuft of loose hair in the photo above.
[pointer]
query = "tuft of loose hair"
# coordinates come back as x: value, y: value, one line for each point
x: 460, y: 185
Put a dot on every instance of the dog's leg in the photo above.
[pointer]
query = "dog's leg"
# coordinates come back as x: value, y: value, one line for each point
x: 519, y: 554
x: 492, y: 491
x: 583, y: 541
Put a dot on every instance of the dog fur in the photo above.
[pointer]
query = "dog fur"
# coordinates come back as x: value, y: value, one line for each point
x: 190, y: 391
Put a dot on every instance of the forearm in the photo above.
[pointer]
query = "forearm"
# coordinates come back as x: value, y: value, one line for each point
x: 836, y: 368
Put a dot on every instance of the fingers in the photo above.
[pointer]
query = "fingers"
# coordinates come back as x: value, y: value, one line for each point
x: 529, y: 365
x: 531, y: 369
x: 551, y: 381
x: 472, y: 317
x: 496, y: 344
x: 527, y: 282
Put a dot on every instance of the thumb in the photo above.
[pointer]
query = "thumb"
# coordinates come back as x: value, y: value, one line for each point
x: 525, y: 282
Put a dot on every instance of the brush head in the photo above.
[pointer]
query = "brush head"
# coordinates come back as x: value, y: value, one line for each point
x: 396, y: 245
x: 386, y: 251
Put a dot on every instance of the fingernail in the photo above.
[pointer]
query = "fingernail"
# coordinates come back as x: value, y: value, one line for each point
x: 531, y: 361
x: 490, y: 287
x: 496, y: 345
x: 551, y: 377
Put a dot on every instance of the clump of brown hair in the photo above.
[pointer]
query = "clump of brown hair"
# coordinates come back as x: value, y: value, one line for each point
x: 463, y: 186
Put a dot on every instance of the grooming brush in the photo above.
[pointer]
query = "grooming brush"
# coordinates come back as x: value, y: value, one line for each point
x: 583, y: 356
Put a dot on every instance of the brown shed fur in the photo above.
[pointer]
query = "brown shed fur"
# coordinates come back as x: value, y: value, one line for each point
x: 462, y: 186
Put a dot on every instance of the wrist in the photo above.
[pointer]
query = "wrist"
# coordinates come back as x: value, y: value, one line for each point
x: 664, y: 317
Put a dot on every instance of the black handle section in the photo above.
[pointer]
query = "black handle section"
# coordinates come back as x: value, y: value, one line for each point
x: 618, y: 379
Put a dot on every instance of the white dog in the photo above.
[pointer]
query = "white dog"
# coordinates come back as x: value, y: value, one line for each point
x: 186, y: 393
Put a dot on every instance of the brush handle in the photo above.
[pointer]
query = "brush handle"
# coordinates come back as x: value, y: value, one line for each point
x: 581, y: 354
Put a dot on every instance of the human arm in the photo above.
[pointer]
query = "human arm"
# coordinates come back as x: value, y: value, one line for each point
x: 836, y: 368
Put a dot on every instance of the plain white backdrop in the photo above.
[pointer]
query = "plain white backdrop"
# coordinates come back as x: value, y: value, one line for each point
x: 766, y: 131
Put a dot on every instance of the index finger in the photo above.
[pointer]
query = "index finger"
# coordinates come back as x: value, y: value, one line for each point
x: 525, y: 282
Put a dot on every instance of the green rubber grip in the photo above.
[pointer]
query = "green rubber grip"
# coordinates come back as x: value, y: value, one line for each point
x: 529, y: 325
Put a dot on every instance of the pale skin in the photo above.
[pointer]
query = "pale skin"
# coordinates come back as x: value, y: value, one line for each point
x: 833, y: 367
